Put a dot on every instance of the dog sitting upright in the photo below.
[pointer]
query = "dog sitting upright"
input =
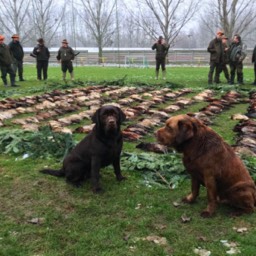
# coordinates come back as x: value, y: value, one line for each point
x: 100, y: 148
x: 211, y: 162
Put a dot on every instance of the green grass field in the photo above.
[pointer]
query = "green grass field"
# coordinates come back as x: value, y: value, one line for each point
x: 43, y: 216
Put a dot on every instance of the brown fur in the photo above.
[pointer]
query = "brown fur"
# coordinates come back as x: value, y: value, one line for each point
x: 211, y: 162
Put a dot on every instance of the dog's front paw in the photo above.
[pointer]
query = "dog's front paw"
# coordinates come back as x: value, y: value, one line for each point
x: 206, y: 214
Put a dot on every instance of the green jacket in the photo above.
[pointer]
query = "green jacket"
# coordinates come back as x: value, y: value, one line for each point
x: 215, y: 48
x: 161, y: 50
x: 65, y: 54
x: 6, y: 58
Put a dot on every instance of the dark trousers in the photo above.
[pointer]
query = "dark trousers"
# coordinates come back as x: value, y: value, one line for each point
x: 160, y: 62
x: 42, y: 65
x: 67, y: 65
x: 7, y: 69
x: 236, y: 68
x: 214, y: 67
x: 224, y: 68
x: 18, y: 65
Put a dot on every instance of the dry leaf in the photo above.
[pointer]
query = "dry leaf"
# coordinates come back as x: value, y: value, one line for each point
x: 156, y: 239
x: 240, y: 230
x: 233, y: 250
x: 185, y: 218
x: 37, y: 221
x: 202, y: 252
x: 176, y: 204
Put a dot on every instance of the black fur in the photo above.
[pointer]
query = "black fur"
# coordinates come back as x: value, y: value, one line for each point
x: 100, y: 148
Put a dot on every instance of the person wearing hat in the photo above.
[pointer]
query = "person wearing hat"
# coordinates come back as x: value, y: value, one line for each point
x: 161, y: 51
x: 42, y: 55
x: 65, y: 56
x: 225, y: 58
x: 18, y: 55
x: 6, y: 61
x: 237, y: 54
x: 215, y: 49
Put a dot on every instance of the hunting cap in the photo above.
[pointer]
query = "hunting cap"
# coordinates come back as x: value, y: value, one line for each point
x: 40, y: 40
x: 65, y: 41
x: 15, y: 36
x: 220, y: 32
x: 160, y: 38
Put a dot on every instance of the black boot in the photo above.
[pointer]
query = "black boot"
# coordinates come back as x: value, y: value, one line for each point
x: 13, y: 82
x: 232, y: 78
x: 22, y: 79
x: 5, y: 82
x: 240, y: 79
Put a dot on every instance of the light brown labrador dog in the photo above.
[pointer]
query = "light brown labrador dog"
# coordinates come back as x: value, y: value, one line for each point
x: 211, y: 162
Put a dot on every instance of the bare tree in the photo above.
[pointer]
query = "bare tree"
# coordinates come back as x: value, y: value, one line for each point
x: 233, y: 16
x: 99, y: 17
x: 13, y: 16
x: 45, y: 18
x: 165, y: 17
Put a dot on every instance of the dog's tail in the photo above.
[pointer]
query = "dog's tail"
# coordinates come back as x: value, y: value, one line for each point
x: 57, y: 173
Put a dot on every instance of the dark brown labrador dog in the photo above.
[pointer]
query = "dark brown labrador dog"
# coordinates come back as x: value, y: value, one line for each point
x: 211, y: 162
x: 100, y: 148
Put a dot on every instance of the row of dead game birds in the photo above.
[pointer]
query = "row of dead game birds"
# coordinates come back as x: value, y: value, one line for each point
x: 142, y: 106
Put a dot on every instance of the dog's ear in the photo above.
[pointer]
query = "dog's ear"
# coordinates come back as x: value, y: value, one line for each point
x: 96, y: 117
x: 185, y: 131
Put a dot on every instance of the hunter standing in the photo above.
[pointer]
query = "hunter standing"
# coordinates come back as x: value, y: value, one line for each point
x: 65, y: 56
x: 6, y: 61
x: 42, y: 54
x: 215, y: 49
x: 236, y: 57
x: 18, y: 55
x: 161, y: 51
x: 224, y: 67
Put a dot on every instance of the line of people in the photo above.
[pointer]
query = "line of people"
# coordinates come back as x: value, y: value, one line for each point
x: 223, y: 54
x: 11, y: 59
